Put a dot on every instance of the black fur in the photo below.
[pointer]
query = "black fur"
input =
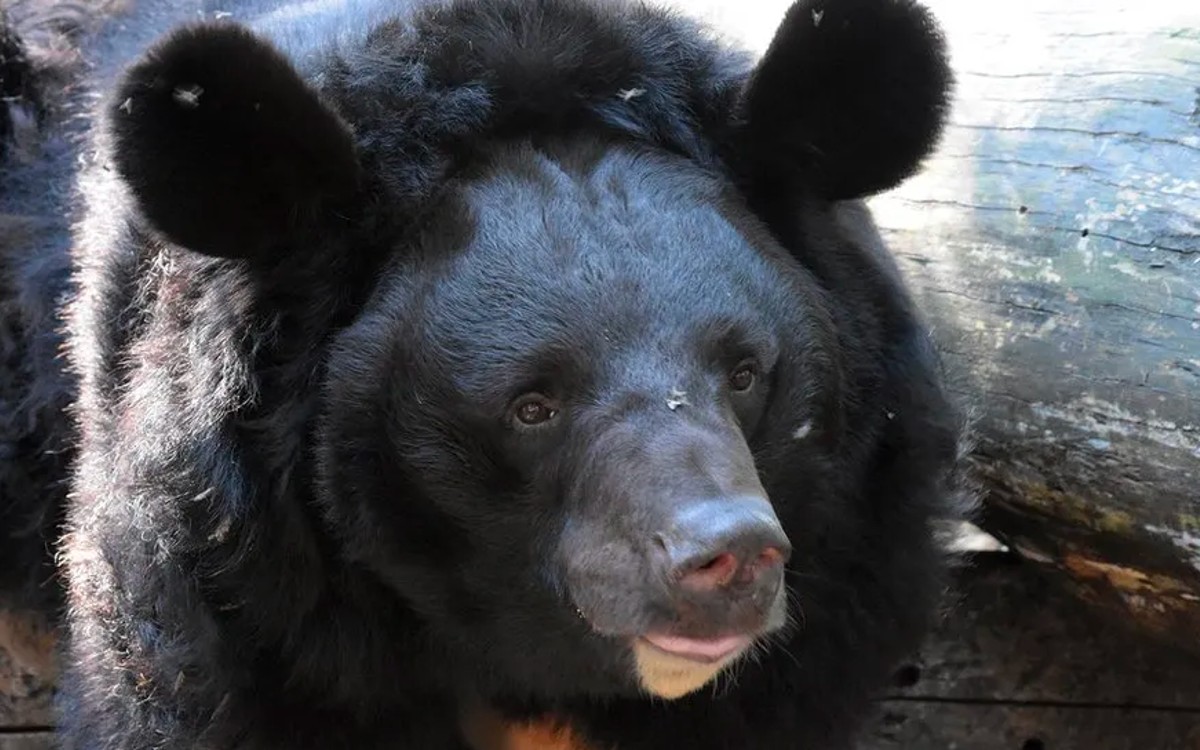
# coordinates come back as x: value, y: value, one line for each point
x: 849, y: 98
x: 15, y: 83
x: 227, y: 151
x: 34, y: 388
x: 301, y: 515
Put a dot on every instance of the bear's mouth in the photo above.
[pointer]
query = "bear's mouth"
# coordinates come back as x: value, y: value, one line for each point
x: 671, y: 666
x: 682, y: 652
x: 699, y: 650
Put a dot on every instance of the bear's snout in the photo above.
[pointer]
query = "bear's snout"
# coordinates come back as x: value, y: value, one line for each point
x: 677, y: 550
x: 721, y: 555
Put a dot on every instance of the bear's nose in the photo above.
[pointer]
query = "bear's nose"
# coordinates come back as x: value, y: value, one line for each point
x: 725, y: 548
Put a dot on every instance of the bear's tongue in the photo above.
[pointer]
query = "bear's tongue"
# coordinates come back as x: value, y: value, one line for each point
x: 698, y: 649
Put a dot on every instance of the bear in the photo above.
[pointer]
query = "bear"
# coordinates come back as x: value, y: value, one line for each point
x: 36, y: 169
x: 15, y: 71
x: 467, y: 373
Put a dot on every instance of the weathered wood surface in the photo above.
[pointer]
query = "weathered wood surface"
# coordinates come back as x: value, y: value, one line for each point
x: 26, y: 741
x: 1055, y: 241
x: 982, y: 727
x: 27, y: 672
x: 1017, y: 664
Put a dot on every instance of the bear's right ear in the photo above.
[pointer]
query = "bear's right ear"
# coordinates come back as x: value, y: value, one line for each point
x: 226, y: 149
x: 849, y: 98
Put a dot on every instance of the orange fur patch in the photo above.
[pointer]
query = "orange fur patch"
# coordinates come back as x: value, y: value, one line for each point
x: 486, y: 731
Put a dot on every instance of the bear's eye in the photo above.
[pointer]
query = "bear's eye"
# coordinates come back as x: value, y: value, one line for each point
x: 533, y: 410
x: 743, y: 376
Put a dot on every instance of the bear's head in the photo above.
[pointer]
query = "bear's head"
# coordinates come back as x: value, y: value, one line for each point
x: 598, y: 401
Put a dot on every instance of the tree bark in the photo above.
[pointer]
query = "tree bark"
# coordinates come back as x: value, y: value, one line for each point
x: 1018, y: 664
x: 1054, y: 240
x: 27, y: 673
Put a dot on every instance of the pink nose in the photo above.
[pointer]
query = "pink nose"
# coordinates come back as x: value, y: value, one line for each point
x: 720, y: 552
x: 726, y: 568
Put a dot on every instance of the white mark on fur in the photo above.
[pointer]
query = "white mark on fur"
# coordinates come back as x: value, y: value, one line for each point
x: 803, y: 430
x: 964, y: 536
x: 221, y: 533
x: 627, y: 94
x: 891, y: 414
x: 127, y: 106
x: 677, y: 398
x: 817, y: 16
x: 188, y: 96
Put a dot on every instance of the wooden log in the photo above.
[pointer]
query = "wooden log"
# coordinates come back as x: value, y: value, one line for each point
x: 1054, y: 239
x: 1018, y: 664
x: 981, y: 727
x: 26, y: 741
x: 28, y: 671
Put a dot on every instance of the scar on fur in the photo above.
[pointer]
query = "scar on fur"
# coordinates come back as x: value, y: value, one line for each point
x: 189, y: 96
x: 627, y: 94
x: 677, y: 398
x: 817, y: 16
x: 803, y: 430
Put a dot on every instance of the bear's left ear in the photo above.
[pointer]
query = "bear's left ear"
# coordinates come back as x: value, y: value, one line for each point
x: 226, y: 149
x: 849, y: 98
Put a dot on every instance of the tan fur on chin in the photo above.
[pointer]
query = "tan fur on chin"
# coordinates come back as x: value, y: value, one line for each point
x: 672, y: 677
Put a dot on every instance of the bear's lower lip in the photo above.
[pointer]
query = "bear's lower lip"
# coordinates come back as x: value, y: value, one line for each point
x: 704, y: 650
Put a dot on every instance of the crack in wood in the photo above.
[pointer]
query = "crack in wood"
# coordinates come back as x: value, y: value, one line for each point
x: 1125, y: 34
x: 1152, y: 245
x: 1081, y: 100
x: 1145, y: 311
x: 988, y: 301
x: 1091, y: 174
x: 1043, y: 703
x: 1120, y: 134
x: 1079, y: 74
x: 1009, y: 162
x: 959, y: 204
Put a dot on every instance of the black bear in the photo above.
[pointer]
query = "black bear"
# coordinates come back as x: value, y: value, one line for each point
x: 36, y: 169
x: 441, y: 371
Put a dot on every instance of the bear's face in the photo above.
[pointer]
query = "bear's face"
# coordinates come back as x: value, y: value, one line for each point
x: 542, y: 432
x: 590, y: 410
